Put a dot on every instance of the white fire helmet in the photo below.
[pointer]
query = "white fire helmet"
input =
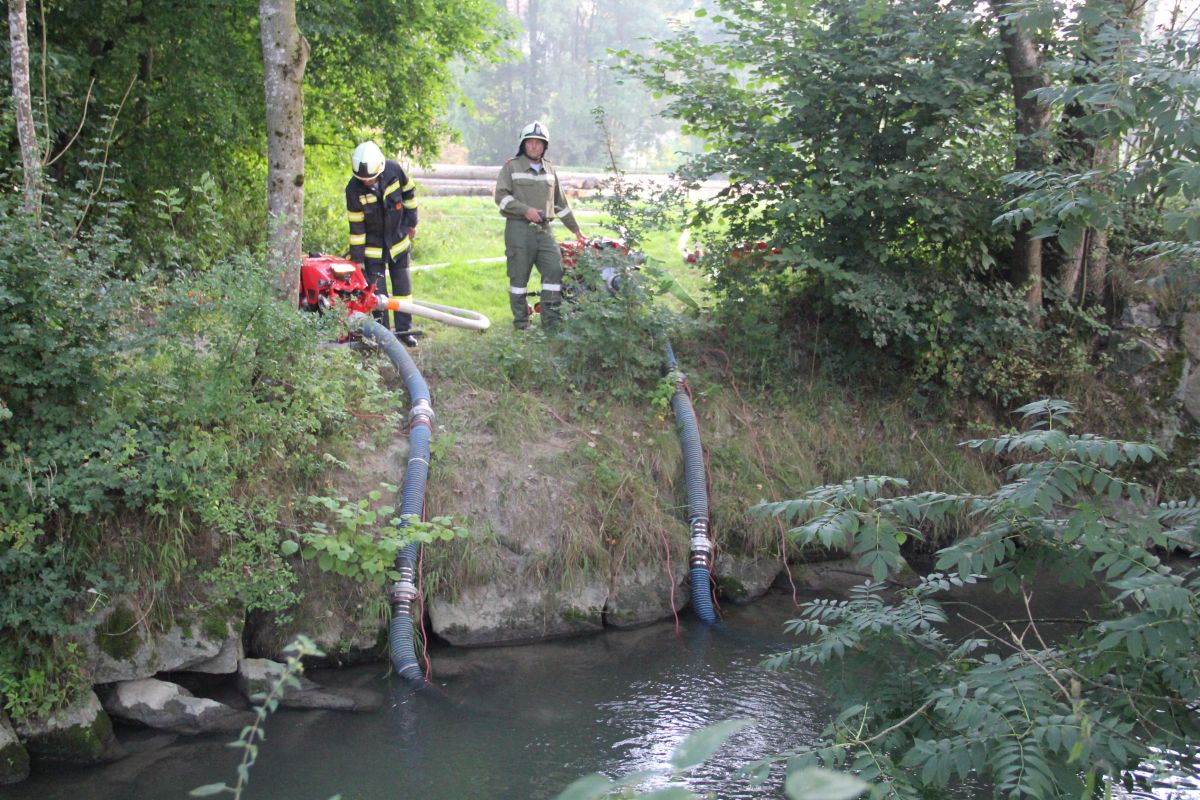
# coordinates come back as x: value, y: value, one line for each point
x: 367, y: 161
x: 534, y: 130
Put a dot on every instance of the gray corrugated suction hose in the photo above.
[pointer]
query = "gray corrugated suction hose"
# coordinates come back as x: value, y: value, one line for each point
x: 403, y: 593
x: 700, y: 548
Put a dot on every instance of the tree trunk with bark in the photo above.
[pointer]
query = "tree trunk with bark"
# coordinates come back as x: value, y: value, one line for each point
x: 31, y: 160
x: 1032, y: 120
x: 1089, y: 277
x: 285, y: 54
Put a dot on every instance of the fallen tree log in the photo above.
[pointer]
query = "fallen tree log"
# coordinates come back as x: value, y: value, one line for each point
x: 466, y: 179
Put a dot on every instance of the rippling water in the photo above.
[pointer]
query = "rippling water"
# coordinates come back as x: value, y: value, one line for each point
x: 520, y: 722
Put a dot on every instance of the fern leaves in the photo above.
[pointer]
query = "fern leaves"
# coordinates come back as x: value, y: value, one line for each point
x: 1034, y: 720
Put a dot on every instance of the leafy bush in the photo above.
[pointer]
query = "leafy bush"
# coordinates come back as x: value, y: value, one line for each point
x: 1109, y: 704
x: 59, y: 343
x: 133, y: 414
x: 970, y: 336
x: 251, y: 572
x: 365, y: 536
x: 864, y: 152
x: 39, y: 666
x: 615, y: 339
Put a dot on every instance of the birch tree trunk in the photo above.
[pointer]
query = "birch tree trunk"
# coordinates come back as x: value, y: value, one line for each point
x: 285, y: 53
x: 31, y: 160
x: 1032, y: 120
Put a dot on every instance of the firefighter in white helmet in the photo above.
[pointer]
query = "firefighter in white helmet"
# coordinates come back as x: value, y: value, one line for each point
x: 381, y: 207
x: 530, y: 197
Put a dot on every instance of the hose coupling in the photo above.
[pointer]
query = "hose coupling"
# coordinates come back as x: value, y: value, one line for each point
x: 422, y: 410
x: 679, y: 377
x: 404, y: 592
x: 612, y: 279
x: 700, y: 549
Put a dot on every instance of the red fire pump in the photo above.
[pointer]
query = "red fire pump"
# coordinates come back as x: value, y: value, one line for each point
x: 325, y: 280
x: 571, y: 251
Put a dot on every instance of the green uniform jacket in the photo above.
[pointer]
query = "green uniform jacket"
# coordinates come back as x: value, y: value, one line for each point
x: 519, y: 188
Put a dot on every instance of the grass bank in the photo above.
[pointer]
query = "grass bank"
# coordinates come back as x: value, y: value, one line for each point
x: 576, y: 476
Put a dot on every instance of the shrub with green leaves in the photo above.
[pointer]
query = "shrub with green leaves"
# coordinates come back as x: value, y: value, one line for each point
x: 133, y: 415
x: 1110, y: 703
x: 39, y: 665
x: 363, y: 536
x: 864, y: 143
x: 614, y: 339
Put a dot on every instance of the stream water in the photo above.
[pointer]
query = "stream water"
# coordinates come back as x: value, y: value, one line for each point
x: 514, y: 722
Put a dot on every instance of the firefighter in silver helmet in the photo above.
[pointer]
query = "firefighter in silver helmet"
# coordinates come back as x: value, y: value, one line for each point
x: 381, y: 207
x: 530, y: 197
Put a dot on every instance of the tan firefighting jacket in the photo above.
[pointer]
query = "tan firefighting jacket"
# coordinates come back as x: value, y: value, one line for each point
x: 520, y: 187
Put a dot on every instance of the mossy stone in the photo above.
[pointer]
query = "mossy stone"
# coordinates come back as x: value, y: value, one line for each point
x: 75, y: 744
x: 731, y: 588
x: 14, y: 763
x: 582, y: 616
x: 117, y: 635
x: 215, y: 624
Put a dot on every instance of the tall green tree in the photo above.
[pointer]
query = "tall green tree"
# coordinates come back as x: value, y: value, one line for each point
x: 1125, y: 153
x: 285, y: 53
x: 384, y: 68
x: 194, y: 76
x: 31, y: 160
x: 1024, y: 59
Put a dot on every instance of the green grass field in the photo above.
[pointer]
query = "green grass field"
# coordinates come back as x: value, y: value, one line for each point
x: 458, y: 256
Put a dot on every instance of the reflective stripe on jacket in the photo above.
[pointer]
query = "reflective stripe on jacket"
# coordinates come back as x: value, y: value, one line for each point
x: 519, y: 187
x: 380, y: 215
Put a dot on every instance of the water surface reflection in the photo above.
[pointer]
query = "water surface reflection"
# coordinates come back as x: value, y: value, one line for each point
x: 520, y: 722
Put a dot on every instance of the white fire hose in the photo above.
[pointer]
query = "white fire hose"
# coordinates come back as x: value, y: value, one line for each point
x: 447, y: 315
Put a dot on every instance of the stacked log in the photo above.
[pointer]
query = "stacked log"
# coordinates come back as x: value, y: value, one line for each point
x: 463, y: 180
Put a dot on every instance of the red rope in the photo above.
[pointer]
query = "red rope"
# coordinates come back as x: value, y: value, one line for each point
x: 421, y: 595
x: 670, y: 576
x: 421, y: 604
x: 762, y: 462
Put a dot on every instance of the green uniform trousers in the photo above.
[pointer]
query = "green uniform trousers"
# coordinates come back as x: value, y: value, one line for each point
x: 527, y: 245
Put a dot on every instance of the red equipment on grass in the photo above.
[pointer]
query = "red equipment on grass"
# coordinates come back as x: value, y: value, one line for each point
x: 325, y: 280
x: 570, y: 252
